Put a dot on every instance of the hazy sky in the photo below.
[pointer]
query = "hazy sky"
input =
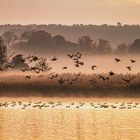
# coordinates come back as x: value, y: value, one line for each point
x: 69, y: 11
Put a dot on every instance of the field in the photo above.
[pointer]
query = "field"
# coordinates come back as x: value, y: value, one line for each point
x: 115, y: 86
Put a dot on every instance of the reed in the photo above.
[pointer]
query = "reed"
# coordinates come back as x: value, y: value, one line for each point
x: 16, y: 85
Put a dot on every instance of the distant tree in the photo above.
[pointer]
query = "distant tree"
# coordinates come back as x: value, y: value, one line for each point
x: 10, y: 37
x: 40, y: 38
x: 122, y: 48
x: 135, y: 47
x: 119, y: 24
x: 103, y: 47
x: 3, y: 52
x: 59, y: 40
x: 26, y: 35
x: 85, y: 43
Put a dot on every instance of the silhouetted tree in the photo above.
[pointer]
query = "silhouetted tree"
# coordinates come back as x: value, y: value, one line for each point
x: 9, y: 37
x: 103, y: 47
x: 122, y: 49
x: 119, y: 24
x: 26, y: 35
x: 3, y: 52
x: 135, y: 47
x: 59, y: 40
x: 40, y: 38
x: 85, y: 44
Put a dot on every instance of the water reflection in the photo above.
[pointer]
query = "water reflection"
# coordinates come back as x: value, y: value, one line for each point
x: 69, y: 124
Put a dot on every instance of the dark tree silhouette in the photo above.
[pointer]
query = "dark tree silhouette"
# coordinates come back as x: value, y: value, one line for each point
x: 122, y: 49
x: 3, y: 52
x: 40, y: 38
x: 135, y: 47
x: 85, y: 44
x: 9, y: 37
x: 103, y: 47
x: 26, y: 35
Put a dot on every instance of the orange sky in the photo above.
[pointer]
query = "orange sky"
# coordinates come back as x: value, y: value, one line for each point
x: 69, y: 11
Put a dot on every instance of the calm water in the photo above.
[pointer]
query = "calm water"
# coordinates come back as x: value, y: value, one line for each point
x: 69, y: 123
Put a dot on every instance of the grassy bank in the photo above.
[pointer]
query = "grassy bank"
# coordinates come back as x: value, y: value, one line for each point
x: 17, y: 85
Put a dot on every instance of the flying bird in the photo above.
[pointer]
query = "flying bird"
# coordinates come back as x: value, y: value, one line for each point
x: 70, y: 56
x: 41, y: 76
x: 93, y: 67
x: 128, y: 80
x: 132, y: 61
x: 92, y: 81
x: 111, y: 73
x: 129, y: 68
x: 77, y: 65
x: 117, y: 59
x: 64, y: 68
x: 61, y: 81
x: 81, y: 63
x: 54, y: 59
x: 104, y: 78
x: 28, y: 77
x: 78, y: 74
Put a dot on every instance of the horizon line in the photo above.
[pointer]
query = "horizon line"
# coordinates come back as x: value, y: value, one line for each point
x: 121, y: 24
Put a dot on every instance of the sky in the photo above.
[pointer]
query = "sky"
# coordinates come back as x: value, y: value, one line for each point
x: 69, y: 11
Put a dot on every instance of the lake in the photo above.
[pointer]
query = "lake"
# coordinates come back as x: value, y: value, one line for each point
x: 67, y: 121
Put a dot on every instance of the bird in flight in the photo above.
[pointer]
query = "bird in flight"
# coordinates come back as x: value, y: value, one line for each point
x: 117, y: 59
x: 61, y: 81
x: 128, y: 80
x: 64, y: 68
x: 54, y: 59
x: 129, y: 68
x: 132, y: 61
x: 111, y: 73
x: 104, y: 78
x: 93, y: 67
x: 70, y: 56
x: 41, y: 76
x: 28, y: 77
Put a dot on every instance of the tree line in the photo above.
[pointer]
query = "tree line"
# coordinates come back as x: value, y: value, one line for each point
x: 114, y: 33
x: 43, y: 42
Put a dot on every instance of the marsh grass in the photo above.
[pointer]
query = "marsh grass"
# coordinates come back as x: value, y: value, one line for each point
x: 16, y: 85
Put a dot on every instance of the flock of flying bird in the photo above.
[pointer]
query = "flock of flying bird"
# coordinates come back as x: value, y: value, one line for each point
x: 41, y: 65
x: 51, y: 104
